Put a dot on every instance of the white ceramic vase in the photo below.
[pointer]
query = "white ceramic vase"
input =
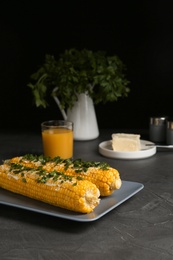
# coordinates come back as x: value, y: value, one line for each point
x: 83, y: 117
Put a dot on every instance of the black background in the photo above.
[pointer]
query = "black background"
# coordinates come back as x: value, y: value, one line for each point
x: 139, y: 32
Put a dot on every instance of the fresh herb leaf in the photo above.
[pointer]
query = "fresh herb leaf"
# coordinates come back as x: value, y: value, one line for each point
x: 74, y: 72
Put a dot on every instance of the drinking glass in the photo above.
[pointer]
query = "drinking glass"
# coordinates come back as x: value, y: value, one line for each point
x: 57, y: 138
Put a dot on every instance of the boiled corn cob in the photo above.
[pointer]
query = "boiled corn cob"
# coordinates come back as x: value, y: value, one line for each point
x: 53, y: 187
x: 106, y: 178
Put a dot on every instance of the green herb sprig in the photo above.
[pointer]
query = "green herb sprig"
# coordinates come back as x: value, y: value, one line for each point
x: 74, y: 72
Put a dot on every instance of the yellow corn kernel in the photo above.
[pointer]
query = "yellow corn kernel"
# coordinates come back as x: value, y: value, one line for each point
x: 106, y: 178
x: 54, y: 188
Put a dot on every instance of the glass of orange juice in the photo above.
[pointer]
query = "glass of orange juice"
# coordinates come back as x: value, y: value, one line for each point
x: 57, y: 138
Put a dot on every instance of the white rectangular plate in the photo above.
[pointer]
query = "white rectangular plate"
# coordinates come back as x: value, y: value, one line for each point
x: 127, y: 190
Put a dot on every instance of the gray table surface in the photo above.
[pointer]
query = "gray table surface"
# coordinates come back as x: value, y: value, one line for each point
x: 140, y: 228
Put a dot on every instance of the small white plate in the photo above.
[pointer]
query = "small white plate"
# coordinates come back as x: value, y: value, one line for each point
x: 105, y: 148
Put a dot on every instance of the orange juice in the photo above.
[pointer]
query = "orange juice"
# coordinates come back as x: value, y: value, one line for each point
x: 58, y: 142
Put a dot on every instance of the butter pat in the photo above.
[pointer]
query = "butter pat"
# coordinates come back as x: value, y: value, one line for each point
x: 126, y: 142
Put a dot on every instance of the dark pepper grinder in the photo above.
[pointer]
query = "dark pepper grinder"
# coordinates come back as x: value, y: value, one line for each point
x: 169, y: 132
x: 157, y: 129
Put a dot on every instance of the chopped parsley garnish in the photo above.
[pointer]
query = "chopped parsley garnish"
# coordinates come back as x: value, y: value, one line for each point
x: 78, y: 165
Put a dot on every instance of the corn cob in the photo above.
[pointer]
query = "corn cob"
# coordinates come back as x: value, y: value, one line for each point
x: 106, y: 178
x: 56, y: 188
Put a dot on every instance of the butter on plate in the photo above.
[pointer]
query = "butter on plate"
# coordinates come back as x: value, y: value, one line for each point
x: 126, y: 142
